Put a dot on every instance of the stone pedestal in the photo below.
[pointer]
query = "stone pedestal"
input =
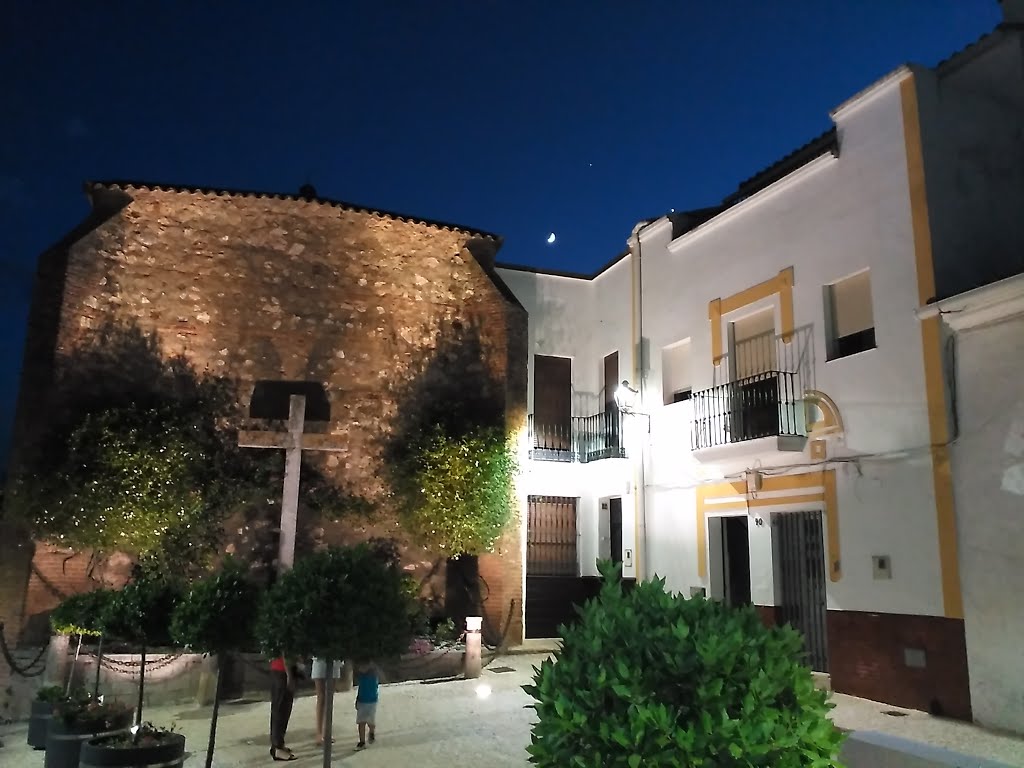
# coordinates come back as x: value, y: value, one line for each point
x: 345, y: 682
x: 57, y: 663
x: 207, y: 688
x: 472, y: 665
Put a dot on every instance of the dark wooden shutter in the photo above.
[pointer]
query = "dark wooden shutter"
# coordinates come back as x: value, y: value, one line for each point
x: 552, y: 402
x: 611, y: 380
x: 551, y: 536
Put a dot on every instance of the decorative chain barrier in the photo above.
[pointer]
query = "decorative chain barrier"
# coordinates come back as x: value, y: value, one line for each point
x: 132, y: 667
x: 28, y: 670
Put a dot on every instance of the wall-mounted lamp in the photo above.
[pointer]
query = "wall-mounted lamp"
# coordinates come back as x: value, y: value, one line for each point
x: 626, y: 398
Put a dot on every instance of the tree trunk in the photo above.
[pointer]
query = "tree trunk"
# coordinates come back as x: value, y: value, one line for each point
x: 216, y: 711
x: 142, y: 685
x: 328, y: 712
x: 99, y: 663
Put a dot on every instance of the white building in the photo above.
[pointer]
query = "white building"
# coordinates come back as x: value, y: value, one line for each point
x: 791, y: 430
x: 985, y: 355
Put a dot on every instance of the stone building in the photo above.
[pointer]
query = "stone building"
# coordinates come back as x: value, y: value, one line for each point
x: 380, y: 309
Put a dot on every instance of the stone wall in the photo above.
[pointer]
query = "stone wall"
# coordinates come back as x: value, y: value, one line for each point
x: 257, y: 288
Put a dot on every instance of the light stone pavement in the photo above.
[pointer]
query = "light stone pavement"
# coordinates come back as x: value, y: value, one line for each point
x: 442, y: 725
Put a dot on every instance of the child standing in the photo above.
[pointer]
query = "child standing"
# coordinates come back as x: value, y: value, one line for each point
x: 367, y: 691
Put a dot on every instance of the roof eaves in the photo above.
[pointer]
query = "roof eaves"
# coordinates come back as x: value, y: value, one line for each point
x: 125, y: 185
x: 828, y: 142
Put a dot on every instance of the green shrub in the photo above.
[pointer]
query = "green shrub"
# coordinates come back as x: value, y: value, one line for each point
x: 81, y: 614
x: 140, y: 613
x: 51, y: 694
x: 341, y: 603
x: 216, y: 614
x: 652, y: 679
x: 455, y: 492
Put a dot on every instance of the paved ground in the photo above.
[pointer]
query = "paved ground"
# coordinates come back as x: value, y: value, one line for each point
x: 442, y: 725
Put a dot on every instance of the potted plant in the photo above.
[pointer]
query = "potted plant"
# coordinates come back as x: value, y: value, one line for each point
x: 216, y: 616
x: 76, y: 719
x: 653, y: 679
x: 143, y: 745
x: 140, y: 614
x: 341, y: 603
x: 82, y: 615
x: 42, y: 712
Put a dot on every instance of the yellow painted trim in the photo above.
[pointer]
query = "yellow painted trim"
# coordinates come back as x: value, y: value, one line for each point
x: 832, y: 420
x: 831, y: 499
x: 931, y: 344
x: 826, y: 497
x: 781, y: 285
x: 715, y: 316
x: 918, y: 192
x: 702, y: 535
x: 786, y: 304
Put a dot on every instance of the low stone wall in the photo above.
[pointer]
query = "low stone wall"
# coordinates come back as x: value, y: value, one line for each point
x: 871, y: 749
x: 171, y: 677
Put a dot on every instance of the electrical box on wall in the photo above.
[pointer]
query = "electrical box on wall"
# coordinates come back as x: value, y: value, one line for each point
x: 627, y: 558
x: 881, y: 566
x: 698, y: 592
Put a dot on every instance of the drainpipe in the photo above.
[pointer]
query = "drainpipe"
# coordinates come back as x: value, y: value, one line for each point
x: 639, y: 376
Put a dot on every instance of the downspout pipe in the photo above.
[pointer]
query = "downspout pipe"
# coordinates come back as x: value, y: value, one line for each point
x: 640, y: 377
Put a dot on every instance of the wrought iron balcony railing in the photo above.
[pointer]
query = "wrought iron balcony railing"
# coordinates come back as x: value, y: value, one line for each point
x: 582, y: 439
x: 768, y: 404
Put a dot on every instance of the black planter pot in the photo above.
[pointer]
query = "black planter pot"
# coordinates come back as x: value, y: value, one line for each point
x: 39, y: 723
x: 171, y: 754
x: 64, y: 743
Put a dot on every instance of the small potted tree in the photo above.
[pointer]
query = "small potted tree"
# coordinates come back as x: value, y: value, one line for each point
x: 139, y: 747
x: 140, y: 615
x: 341, y: 603
x: 82, y: 615
x: 46, y: 699
x: 216, y: 617
x: 78, y: 718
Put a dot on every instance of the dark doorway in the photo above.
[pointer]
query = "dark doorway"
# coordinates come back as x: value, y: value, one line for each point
x: 552, y: 403
x: 552, y: 567
x: 800, y: 576
x: 615, y: 530
x: 736, y: 559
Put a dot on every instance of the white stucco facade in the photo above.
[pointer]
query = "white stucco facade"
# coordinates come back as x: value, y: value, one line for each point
x: 987, y: 326
x: 857, y: 230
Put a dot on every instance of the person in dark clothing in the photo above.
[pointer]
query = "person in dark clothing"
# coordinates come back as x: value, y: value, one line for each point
x: 282, y: 694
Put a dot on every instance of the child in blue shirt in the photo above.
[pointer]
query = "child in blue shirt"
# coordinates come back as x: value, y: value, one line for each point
x: 367, y: 690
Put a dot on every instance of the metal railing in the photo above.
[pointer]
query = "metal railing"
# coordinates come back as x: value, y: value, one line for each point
x: 768, y: 352
x: 767, y: 404
x: 583, y: 439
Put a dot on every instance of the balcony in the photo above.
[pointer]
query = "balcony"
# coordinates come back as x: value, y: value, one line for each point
x: 582, y: 439
x: 757, y: 413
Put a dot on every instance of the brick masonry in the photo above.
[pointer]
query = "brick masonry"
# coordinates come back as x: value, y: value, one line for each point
x: 918, y: 662
x: 281, y: 288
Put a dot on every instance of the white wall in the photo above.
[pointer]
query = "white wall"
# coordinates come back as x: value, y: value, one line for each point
x: 988, y: 471
x: 829, y: 220
x: 585, y: 320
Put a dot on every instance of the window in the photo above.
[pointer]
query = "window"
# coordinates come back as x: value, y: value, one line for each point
x: 848, y: 317
x: 675, y: 372
x: 753, y: 344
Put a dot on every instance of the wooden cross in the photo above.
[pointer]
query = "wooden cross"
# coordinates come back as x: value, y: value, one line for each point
x: 294, y: 442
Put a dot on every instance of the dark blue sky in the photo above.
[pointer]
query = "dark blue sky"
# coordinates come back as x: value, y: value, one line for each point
x: 518, y: 117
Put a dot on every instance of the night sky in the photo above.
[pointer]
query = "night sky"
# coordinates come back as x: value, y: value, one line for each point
x: 518, y: 117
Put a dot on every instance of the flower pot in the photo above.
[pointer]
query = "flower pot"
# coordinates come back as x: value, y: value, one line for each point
x: 39, y: 723
x: 64, y: 742
x: 168, y: 754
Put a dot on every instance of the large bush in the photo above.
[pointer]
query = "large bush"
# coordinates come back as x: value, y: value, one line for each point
x: 455, y: 492
x: 341, y: 603
x: 652, y: 679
